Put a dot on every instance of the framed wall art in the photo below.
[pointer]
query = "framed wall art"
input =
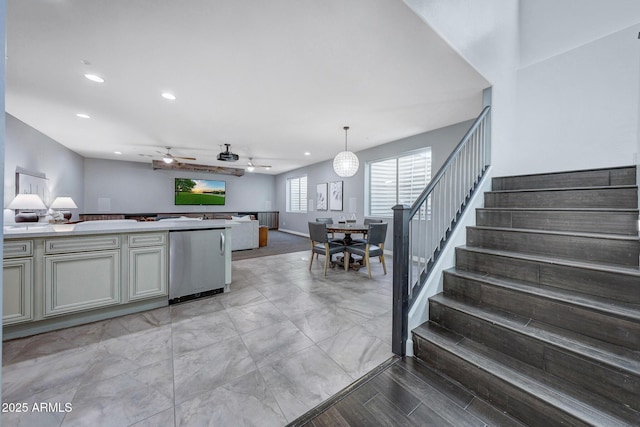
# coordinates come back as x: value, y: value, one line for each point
x: 321, y: 197
x: 335, y: 196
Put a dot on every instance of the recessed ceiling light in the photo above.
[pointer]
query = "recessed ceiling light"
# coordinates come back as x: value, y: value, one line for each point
x: 83, y: 116
x: 94, y: 78
x: 117, y: 152
x: 169, y: 96
x: 306, y: 153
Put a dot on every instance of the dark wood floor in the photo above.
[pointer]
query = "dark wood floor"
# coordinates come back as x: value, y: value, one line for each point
x: 404, y: 392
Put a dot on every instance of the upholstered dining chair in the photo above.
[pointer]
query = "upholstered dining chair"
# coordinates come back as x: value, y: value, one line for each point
x: 373, y: 247
x: 330, y: 221
x: 325, y: 220
x: 367, y: 221
x: 321, y: 245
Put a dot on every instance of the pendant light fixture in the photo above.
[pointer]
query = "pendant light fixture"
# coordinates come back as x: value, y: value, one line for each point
x: 346, y: 163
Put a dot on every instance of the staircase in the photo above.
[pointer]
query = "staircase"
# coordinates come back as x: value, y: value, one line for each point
x: 541, y: 314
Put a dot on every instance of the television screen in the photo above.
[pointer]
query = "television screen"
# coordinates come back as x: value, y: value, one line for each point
x: 199, y: 192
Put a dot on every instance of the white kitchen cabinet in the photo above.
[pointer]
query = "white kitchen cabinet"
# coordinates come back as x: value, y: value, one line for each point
x: 81, y: 281
x: 17, y: 291
x: 147, y: 272
x: 56, y: 278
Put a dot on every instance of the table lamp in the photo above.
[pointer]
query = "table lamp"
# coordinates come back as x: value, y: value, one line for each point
x: 59, y: 204
x: 27, y: 204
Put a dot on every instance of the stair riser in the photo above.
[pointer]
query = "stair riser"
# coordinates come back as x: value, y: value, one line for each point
x: 590, y: 178
x: 589, y: 322
x: 578, y: 369
x: 522, y: 405
x: 611, y: 251
x: 616, y: 286
x: 619, y: 198
x: 576, y: 221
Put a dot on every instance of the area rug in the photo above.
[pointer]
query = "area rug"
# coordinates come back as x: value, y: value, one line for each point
x: 277, y: 243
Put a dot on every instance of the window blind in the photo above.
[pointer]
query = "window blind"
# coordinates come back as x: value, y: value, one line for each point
x: 398, y: 180
x: 297, y: 194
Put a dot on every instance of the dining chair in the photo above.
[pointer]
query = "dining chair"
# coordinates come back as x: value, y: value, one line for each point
x: 321, y: 244
x: 330, y: 221
x: 373, y: 247
x: 367, y: 221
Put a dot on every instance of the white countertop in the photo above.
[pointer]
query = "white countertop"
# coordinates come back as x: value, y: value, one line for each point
x: 35, y: 230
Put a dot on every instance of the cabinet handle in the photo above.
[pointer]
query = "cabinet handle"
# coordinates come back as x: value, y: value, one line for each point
x: 222, y: 243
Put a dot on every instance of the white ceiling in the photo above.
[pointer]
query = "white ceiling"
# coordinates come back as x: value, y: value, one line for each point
x: 272, y: 78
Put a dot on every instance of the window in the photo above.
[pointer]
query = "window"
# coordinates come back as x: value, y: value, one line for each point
x: 297, y: 194
x: 397, y: 180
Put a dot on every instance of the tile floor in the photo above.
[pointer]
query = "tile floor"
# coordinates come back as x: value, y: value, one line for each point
x: 280, y: 342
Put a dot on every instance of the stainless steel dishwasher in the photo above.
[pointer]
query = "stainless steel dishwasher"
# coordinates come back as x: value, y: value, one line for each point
x: 196, y: 263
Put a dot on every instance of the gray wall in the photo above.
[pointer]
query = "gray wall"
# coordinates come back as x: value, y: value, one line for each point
x: 30, y: 150
x: 442, y: 142
x: 132, y: 187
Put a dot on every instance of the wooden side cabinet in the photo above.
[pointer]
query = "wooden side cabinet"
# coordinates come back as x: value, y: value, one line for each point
x: 81, y: 281
x: 17, y: 291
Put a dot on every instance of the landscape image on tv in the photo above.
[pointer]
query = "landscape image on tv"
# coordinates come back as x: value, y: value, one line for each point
x: 199, y: 192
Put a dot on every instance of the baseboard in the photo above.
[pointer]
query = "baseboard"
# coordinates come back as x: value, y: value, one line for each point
x: 297, y: 233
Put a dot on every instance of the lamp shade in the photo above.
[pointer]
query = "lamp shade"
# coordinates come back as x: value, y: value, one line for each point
x: 346, y: 164
x: 63, y: 203
x: 27, y: 201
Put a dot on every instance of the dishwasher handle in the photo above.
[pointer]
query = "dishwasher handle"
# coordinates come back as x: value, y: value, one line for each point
x: 222, y: 243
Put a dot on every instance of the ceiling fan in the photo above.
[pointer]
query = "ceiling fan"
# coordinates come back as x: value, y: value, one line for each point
x: 251, y: 166
x: 169, y: 158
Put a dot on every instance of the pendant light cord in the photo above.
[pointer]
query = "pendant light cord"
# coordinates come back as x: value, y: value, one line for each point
x: 346, y: 128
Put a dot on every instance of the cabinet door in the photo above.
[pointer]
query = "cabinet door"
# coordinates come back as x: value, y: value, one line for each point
x: 17, y: 280
x: 147, y: 272
x: 81, y: 281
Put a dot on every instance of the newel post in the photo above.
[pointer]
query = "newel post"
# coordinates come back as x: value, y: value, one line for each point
x: 400, y: 279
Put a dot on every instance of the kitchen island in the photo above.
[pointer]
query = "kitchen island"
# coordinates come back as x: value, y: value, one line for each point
x: 62, y: 275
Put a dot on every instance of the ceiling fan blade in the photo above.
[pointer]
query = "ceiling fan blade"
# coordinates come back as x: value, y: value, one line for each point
x: 184, y: 158
x: 250, y: 163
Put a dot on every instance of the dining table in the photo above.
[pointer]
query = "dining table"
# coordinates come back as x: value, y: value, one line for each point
x: 348, y: 229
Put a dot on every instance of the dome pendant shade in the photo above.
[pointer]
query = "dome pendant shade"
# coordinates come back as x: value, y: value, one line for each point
x: 346, y: 163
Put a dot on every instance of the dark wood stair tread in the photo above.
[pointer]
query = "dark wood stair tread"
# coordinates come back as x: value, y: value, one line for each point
x: 560, y: 209
x: 536, y: 190
x: 583, y: 406
x: 608, y: 268
x: 598, y: 236
x: 614, y: 308
x: 616, y: 357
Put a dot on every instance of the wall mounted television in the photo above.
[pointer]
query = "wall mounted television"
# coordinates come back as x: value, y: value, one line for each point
x: 199, y: 192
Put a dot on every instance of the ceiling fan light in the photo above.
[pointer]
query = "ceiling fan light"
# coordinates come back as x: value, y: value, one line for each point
x: 167, y: 160
x: 251, y: 168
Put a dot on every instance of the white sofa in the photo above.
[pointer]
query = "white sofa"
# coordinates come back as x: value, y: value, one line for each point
x: 244, y: 233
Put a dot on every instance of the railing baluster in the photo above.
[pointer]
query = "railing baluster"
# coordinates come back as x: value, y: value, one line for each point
x: 420, y: 231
